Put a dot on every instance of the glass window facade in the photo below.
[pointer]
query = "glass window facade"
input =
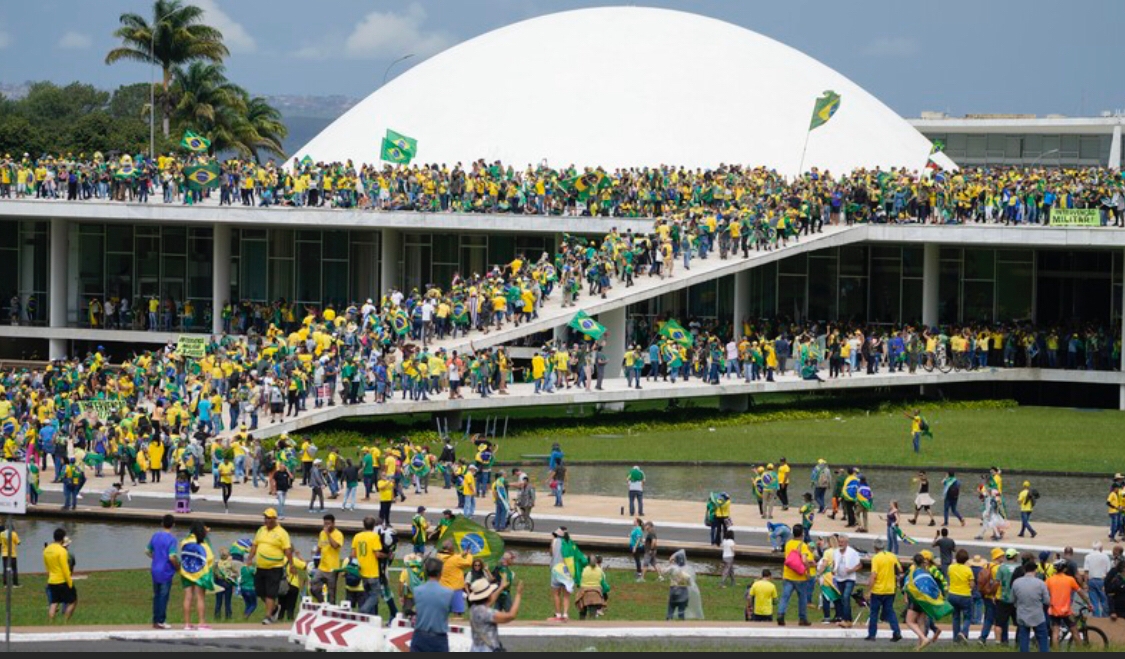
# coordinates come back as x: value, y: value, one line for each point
x: 970, y: 149
x: 23, y: 270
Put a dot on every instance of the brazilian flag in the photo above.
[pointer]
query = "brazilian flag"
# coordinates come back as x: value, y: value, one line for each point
x: 240, y: 548
x: 196, y: 561
x: 587, y: 184
x: 460, y: 313
x: 673, y: 331
x: 126, y: 171
x: 588, y: 326
x: 469, y: 536
x: 924, y: 591
x: 826, y: 106
x: 202, y: 176
x: 195, y: 143
x: 864, y: 496
x: 568, y: 572
x: 392, y: 153
x: 307, y: 161
x: 400, y: 322
x: 407, y: 145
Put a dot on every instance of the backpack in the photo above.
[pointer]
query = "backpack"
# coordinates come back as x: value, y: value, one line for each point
x: 281, y: 478
x: 987, y: 585
x: 268, y: 462
x: 955, y: 490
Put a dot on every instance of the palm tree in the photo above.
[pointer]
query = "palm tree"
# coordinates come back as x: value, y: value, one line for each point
x: 265, y: 121
x: 180, y: 38
x: 205, y: 101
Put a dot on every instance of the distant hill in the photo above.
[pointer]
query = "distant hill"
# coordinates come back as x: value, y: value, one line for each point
x: 307, y: 116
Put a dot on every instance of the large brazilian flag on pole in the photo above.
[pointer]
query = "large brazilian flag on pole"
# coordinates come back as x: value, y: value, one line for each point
x: 675, y: 332
x: 202, y: 176
x: 471, y: 537
x: 826, y: 106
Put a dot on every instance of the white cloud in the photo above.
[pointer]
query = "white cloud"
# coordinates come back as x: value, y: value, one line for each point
x: 390, y: 34
x: 75, y: 41
x: 237, y: 39
x: 891, y: 47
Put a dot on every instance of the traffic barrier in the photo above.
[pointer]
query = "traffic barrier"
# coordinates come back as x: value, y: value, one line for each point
x: 305, y: 617
x: 401, y: 632
x: 342, y: 630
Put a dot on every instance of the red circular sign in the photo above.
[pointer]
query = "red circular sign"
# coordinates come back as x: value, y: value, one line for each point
x: 10, y: 482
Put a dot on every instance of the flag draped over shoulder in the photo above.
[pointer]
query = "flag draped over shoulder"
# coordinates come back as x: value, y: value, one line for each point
x: 673, y: 331
x: 569, y: 571
x: 196, y: 562
x: 924, y: 591
x: 469, y: 536
x: 202, y: 176
x: 583, y: 323
x: 400, y: 322
x: 826, y: 106
x: 460, y: 312
x: 195, y: 143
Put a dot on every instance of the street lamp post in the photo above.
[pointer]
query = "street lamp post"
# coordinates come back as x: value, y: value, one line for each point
x: 387, y: 73
x: 152, y: 86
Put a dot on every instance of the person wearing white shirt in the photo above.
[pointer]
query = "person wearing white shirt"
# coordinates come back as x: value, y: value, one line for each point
x: 847, y: 565
x: 728, y: 559
x: 732, y: 358
x: 1097, y: 567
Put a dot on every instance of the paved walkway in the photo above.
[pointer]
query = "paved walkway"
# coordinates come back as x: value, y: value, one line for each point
x: 602, y: 517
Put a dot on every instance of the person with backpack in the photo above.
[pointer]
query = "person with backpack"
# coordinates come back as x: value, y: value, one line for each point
x: 918, y: 427
x: 1027, y: 499
x: 988, y: 585
x: 800, y: 566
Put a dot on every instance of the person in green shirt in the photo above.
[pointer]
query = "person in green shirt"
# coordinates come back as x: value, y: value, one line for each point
x: 808, y: 513
x: 367, y: 466
x: 503, y: 574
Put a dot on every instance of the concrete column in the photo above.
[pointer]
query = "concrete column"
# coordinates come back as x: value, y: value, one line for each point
x: 1115, y: 149
x: 735, y: 404
x: 741, y: 301
x: 220, y: 274
x: 614, y: 322
x: 58, y: 294
x: 391, y: 252
x: 931, y: 273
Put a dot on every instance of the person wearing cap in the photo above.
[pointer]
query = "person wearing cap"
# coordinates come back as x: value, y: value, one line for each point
x: 989, y: 597
x: 484, y: 619
x: 270, y: 552
x: 885, y: 570
x: 316, y: 482
x: 1027, y: 500
x: 1062, y: 587
x: 1005, y: 603
x: 1115, y: 504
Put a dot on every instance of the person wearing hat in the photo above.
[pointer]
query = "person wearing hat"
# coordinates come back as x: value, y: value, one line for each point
x: 989, y: 590
x: 270, y: 553
x: 316, y: 482
x: 484, y: 619
x: 1027, y: 500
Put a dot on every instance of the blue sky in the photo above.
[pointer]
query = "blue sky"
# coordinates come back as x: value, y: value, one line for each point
x: 958, y: 56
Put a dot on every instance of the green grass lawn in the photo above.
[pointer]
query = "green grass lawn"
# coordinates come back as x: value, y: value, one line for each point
x: 966, y: 435
x: 125, y: 598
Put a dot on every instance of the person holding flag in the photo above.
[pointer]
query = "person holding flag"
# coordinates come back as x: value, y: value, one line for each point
x: 926, y: 600
x: 567, y: 564
x: 197, y: 562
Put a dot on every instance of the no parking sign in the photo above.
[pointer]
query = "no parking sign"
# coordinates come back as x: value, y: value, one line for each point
x: 13, y: 488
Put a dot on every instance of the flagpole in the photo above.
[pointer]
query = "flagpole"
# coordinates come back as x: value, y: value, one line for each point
x: 801, y: 167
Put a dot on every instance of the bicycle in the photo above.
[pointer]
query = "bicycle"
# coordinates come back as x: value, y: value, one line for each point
x: 939, y: 359
x: 1086, y: 635
x: 517, y: 522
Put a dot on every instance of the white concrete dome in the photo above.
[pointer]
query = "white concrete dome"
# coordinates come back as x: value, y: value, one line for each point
x: 624, y: 87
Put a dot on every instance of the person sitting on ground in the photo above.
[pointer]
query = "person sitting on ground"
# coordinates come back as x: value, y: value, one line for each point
x: 593, y: 592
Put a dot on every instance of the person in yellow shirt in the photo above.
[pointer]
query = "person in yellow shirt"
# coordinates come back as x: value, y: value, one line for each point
x: 761, y: 599
x: 367, y: 550
x: 469, y: 491
x: 271, y: 552
x: 454, y: 564
x: 797, y: 581
x: 1027, y: 500
x: 328, y: 543
x: 60, y: 584
x: 961, y: 582
x: 9, y: 550
x: 885, y: 568
x: 783, y: 483
x: 386, y: 488
x: 226, y: 480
